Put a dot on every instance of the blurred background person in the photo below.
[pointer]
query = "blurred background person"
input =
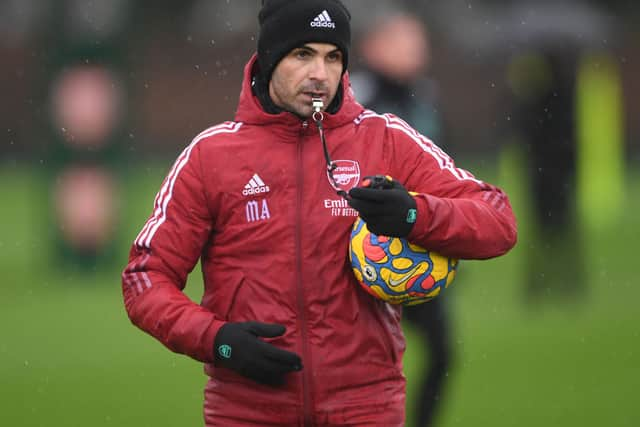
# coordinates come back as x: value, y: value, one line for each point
x: 86, y: 118
x: 543, y: 75
x: 391, y: 77
x: 85, y: 106
x: 542, y: 103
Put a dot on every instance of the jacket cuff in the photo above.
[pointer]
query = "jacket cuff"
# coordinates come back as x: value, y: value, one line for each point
x: 420, y: 228
x: 207, y: 350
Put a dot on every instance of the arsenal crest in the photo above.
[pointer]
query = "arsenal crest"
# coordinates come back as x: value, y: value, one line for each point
x: 346, y: 175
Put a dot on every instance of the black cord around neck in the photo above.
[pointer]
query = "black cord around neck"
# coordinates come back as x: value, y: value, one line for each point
x: 331, y: 165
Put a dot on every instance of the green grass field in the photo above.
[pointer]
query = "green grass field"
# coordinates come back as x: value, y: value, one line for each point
x: 69, y: 356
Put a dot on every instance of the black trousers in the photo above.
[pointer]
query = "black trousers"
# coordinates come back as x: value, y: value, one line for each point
x: 431, y: 321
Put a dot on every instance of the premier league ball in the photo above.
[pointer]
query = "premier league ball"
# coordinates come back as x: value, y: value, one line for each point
x: 396, y: 271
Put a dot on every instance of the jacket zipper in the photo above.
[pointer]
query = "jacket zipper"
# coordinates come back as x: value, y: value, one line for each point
x: 302, y: 318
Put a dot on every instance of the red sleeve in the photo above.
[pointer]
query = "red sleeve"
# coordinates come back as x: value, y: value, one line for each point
x: 164, y: 253
x: 458, y: 215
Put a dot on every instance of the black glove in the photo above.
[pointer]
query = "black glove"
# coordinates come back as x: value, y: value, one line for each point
x: 385, y: 205
x: 238, y: 347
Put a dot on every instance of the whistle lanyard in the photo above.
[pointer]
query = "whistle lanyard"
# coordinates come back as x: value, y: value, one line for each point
x: 318, y: 117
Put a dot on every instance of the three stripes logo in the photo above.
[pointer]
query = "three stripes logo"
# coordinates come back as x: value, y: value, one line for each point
x: 323, y: 21
x: 255, y: 186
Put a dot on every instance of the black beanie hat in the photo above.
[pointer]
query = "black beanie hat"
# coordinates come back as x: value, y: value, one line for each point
x: 287, y: 24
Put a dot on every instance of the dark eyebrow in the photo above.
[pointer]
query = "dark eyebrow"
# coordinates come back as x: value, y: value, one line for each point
x: 312, y: 50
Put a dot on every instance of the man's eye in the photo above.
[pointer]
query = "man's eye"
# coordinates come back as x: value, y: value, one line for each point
x: 302, y: 54
x: 334, y: 57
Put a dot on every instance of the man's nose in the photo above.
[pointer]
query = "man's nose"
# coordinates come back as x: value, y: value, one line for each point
x: 319, y: 70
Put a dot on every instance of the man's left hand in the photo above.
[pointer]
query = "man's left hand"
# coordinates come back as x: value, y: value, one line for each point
x: 385, y: 205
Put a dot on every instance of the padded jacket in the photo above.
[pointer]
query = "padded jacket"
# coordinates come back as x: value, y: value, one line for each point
x: 251, y: 200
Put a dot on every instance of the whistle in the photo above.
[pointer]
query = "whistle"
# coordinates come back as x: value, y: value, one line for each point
x: 317, y: 104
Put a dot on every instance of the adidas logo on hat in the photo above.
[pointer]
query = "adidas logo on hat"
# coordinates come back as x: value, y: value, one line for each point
x: 323, y: 20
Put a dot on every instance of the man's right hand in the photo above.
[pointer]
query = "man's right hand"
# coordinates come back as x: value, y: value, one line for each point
x: 238, y: 347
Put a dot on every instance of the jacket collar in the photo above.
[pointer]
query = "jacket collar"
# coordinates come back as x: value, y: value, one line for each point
x: 250, y: 111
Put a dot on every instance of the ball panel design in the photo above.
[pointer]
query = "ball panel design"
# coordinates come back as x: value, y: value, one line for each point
x: 396, y: 271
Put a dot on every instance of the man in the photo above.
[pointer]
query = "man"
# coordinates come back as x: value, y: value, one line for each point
x: 287, y: 335
x: 396, y: 56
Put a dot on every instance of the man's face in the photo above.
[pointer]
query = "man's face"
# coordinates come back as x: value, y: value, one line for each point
x: 311, y: 71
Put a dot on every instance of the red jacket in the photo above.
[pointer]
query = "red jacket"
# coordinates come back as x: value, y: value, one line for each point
x: 251, y: 199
